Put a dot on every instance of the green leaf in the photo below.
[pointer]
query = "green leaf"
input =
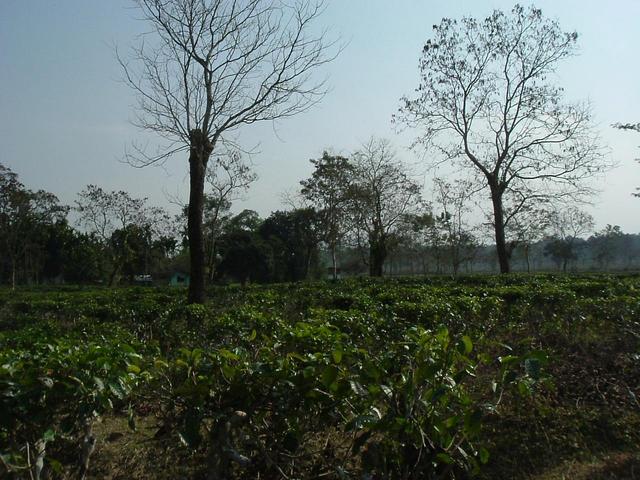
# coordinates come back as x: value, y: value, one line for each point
x: 229, y: 372
x: 329, y: 375
x: 443, y: 336
x: 160, y: 363
x: 223, y: 352
x: 445, y: 458
x: 472, y: 422
x: 131, y: 368
x: 539, y: 355
x: 337, y: 356
x: 483, y: 454
x: 450, y: 422
x: 524, y: 389
x: 465, y: 345
x: 55, y: 465
x: 509, y: 359
x: 49, y: 435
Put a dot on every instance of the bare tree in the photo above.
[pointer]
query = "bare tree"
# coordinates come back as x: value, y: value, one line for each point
x: 212, y: 66
x: 567, y: 227
x: 528, y: 227
x: 453, y: 201
x: 485, y: 100
x: 382, y: 193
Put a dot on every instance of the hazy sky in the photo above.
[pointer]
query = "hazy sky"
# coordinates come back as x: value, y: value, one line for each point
x: 64, y: 119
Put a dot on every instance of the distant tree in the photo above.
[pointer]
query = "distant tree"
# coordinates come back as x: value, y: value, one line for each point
x: 527, y: 228
x: 606, y: 244
x: 212, y: 67
x: 245, y: 256
x: 118, y: 220
x: 416, y: 234
x: 245, y: 221
x: 293, y: 237
x: 137, y: 249
x: 25, y: 218
x: 84, y: 259
x: 486, y: 102
x: 452, y: 201
x: 327, y: 190
x: 228, y: 177
x: 567, y: 227
x: 382, y: 192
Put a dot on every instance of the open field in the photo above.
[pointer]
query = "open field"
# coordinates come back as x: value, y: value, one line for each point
x: 502, y: 377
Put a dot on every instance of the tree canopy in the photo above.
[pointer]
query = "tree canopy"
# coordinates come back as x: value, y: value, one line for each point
x: 486, y: 101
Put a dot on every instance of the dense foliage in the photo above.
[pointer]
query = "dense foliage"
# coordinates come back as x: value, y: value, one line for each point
x: 408, y: 378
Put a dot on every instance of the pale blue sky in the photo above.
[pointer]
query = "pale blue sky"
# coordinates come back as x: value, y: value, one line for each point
x: 64, y: 120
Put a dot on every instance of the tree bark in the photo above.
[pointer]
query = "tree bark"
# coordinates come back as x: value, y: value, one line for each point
x: 498, y: 220
x: 112, y: 275
x: 334, y: 267
x: 212, y: 254
x: 199, y: 153
x: 13, y: 274
x: 377, y: 256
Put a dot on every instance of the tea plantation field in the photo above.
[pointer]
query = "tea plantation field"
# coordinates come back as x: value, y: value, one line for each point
x: 423, y: 378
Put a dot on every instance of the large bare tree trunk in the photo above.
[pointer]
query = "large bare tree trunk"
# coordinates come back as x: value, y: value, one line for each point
x: 498, y: 220
x: 377, y: 256
x: 200, y: 151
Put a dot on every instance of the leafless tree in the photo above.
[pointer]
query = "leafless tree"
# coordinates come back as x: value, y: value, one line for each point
x: 567, y: 227
x: 528, y: 227
x: 485, y: 100
x: 209, y: 67
x: 453, y: 202
x: 382, y: 193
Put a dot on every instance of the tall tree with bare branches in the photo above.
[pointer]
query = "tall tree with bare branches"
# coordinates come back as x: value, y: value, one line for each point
x: 485, y: 101
x: 382, y: 194
x: 209, y: 67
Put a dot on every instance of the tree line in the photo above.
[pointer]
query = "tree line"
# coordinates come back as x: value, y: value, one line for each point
x: 357, y: 214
